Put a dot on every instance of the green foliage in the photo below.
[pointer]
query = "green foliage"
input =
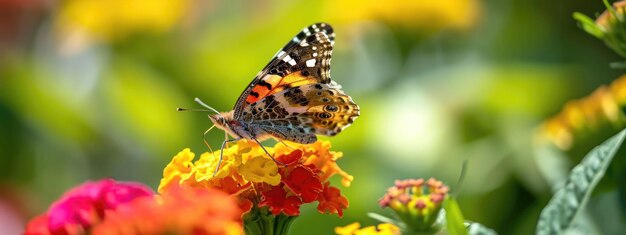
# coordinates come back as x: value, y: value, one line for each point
x: 558, y: 215
x: 455, y: 223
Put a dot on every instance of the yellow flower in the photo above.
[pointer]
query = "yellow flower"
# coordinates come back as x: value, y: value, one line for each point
x: 381, y: 229
x: 207, y: 164
x: 348, y: 229
x: 178, y: 170
x: 114, y: 19
x: 259, y: 170
x: 427, y: 15
x: 389, y: 228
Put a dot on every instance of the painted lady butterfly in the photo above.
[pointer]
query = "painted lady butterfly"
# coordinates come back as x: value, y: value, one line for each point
x: 293, y: 97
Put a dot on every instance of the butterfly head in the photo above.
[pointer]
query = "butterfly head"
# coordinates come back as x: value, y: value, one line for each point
x: 226, y: 122
x: 221, y: 120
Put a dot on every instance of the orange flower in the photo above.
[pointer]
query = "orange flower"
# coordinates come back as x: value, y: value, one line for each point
x: 318, y: 154
x: 331, y: 201
x: 179, y: 211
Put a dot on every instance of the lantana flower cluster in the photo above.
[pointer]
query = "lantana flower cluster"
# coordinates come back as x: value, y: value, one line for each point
x: 417, y: 202
x: 258, y: 182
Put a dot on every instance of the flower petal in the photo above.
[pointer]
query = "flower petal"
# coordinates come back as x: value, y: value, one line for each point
x: 278, y: 201
x: 331, y: 201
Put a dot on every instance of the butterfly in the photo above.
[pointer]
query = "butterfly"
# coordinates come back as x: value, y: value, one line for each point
x: 293, y: 97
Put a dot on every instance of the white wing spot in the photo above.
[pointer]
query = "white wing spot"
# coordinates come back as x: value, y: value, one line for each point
x: 287, y: 58
x: 292, y: 62
x: 281, y: 53
x: 314, y: 54
x: 310, y: 63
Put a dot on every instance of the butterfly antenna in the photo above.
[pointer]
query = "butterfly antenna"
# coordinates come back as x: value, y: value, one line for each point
x: 192, y: 110
x: 197, y: 100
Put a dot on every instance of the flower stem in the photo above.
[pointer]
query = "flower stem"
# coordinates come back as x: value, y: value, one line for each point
x: 252, y: 222
x: 259, y: 221
x: 283, y: 223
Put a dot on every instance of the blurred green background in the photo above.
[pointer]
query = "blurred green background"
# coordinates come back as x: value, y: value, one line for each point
x: 89, y: 89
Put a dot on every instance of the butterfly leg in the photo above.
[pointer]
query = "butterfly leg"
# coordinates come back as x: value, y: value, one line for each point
x: 268, y: 153
x: 219, y: 162
x: 226, y: 138
x: 204, y: 138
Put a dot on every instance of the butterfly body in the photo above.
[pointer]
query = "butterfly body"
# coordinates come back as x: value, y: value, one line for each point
x: 293, y: 97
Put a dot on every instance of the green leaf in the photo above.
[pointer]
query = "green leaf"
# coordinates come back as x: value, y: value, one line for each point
x: 618, y: 65
x: 454, y: 218
x: 558, y: 215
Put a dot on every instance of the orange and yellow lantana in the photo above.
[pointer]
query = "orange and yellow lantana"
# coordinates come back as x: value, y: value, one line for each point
x: 249, y: 173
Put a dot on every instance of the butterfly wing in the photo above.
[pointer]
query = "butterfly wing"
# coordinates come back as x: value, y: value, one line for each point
x: 304, y: 60
x: 299, y: 113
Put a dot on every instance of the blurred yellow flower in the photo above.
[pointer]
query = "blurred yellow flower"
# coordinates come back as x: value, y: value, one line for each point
x: 355, y: 229
x: 427, y: 15
x: 114, y: 19
x: 587, y: 114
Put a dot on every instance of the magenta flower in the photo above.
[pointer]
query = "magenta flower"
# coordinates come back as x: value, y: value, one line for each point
x: 85, y: 205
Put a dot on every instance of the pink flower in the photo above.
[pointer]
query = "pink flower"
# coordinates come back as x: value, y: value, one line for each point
x: 84, y: 206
